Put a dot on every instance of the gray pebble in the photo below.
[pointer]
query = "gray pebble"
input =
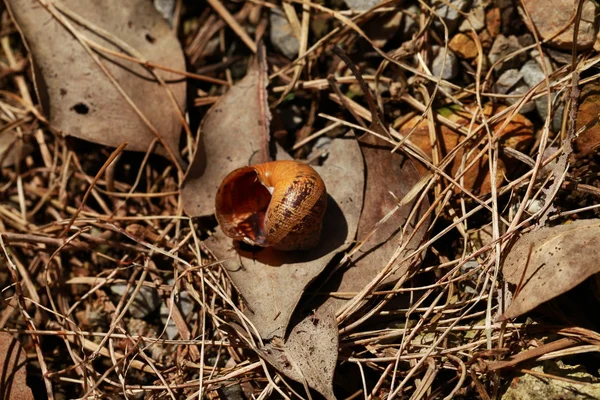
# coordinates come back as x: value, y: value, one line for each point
x: 450, y: 67
x: 146, y: 301
x: 361, y: 5
x: 231, y: 392
x: 507, y: 80
x: 532, y: 73
x: 520, y: 90
x: 450, y: 15
x: 476, y: 18
x: 281, y: 34
x: 504, y: 46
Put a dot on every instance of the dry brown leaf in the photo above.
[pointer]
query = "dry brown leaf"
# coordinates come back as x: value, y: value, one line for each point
x: 517, y: 134
x: 549, y: 262
x: 310, y: 354
x: 272, y: 282
x: 386, y: 173
x: 13, y: 369
x: 587, y: 117
x: 231, y: 133
x: 79, y: 98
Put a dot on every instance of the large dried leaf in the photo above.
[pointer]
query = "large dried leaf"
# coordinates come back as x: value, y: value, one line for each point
x: 13, y: 369
x: 232, y: 132
x: 272, y: 282
x: 310, y: 353
x: 550, y: 261
x: 387, y: 173
x: 79, y: 98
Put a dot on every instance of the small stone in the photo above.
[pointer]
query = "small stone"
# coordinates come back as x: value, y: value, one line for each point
x: 520, y: 90
x: 146, y: 301
x: 232, y: 391
x: 449, y: 67
x: 551, y: 16
x: 469, y: 266
x: 486, y: 40
x: 526, y: 39
x: 475, y: 20
x: 361, y: 5
x: 504, y: 46
x: 493, y: 21
x: 560, y: 57
x: 282, y: 35
x: 541, y: 105
x: 450, y: 14
x: 464, y: 46
x: 507, y: 80
x: 535, y: 55
x: 409, y: 24
x: 532, y: 73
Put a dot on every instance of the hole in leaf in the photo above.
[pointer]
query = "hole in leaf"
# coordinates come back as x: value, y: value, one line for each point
x: 150, y: 38
x: 81, y: 108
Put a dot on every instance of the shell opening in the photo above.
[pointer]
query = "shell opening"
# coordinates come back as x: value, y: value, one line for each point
x: 242, y: 203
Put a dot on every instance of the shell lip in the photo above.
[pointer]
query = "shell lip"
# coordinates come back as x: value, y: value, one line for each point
x: 240, y: 206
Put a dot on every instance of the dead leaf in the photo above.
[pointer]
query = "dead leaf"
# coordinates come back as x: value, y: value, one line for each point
x: 77, y: 95
x: 310, y: 354
x: 587, y: 116
x: 387, y: 173
x: 272, y: 282
x: 13, y: 363
x: 517, y: 134
x: 232, y: 132
x: 549, y: 262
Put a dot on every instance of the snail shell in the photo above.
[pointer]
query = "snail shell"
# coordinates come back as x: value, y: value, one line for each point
x: 278, y: 204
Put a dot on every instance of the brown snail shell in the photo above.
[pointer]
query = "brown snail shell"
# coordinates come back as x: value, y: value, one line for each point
x: 279, y: 204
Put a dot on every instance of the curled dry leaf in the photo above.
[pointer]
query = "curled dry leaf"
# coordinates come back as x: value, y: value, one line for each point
x: 517, y: 134
x: 232, y: 132
x: 272, y: 282
x: 546, y: 263
x: 13, y: 369
x: 77, y: 95
x: 310, y: 353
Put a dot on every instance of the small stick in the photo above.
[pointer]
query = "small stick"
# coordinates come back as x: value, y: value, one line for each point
x: 377, y: 118
x: 233, y: 24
